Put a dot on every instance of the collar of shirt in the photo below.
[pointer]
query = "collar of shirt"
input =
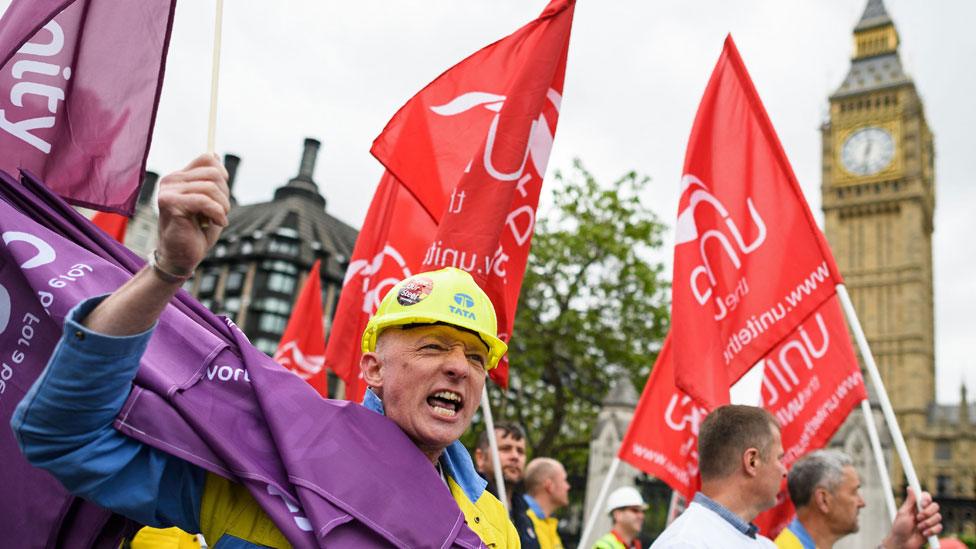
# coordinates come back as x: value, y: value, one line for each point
x: 636, y: 544
x: 735, y: 520
x: 534, y: 505
x: 801, y: 533
x: 455, y: 460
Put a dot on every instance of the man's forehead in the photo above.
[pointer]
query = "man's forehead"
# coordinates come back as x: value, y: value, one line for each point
x: 508, y: 437
x: 441, y: 331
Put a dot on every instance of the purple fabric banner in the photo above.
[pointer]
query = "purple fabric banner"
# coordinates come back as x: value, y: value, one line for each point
x: 79, y: 85
x: 325, y: 471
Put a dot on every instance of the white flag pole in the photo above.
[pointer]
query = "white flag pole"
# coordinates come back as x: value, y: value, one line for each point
x: 215, y: 78
x: 493, y: 444
x: 598, y: 504
x: 202, y: 221
x: 886, y: 409
x: 889, y: 495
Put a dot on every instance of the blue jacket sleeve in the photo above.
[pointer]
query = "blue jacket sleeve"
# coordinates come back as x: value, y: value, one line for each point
x: 64, y: 425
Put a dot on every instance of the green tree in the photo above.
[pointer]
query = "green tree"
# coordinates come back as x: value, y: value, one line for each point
x: 593, y: 305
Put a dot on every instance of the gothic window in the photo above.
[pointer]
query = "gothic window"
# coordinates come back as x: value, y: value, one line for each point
x: 943, y: 450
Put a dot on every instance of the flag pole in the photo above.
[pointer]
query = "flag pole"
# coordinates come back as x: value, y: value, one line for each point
x: 496, y: 463
x: 600, y: 498
x: 886, y: 409
x: 202, y: 221
x: 215, y: 78
x: 872, y: 429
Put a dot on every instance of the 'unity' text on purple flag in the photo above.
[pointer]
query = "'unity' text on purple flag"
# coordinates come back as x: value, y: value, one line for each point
x: 79, y: 84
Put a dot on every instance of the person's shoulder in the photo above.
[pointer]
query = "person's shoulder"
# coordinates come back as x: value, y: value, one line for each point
x: 787, y: 540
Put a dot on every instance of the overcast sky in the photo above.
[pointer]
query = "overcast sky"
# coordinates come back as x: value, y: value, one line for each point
x: 337, y: 71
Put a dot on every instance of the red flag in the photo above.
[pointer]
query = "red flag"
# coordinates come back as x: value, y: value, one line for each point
x: 112, y: 223
x: 750, y: 263
x: 302, y: 346
x: 662, y: 439
x: 390, y: 246
x: 78, y: 94
x: 465, y: 159
x: 473, y: 146
x: 811, y: 382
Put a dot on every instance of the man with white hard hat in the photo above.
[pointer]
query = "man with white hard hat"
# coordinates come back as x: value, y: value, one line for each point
x: 626, y: 508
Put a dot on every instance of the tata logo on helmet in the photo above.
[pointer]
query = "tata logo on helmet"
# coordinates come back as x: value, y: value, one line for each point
x: 4, y: 308
x: 464, y: 300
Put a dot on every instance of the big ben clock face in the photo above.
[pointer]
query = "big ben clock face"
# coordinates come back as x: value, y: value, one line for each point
x: 868, y: 151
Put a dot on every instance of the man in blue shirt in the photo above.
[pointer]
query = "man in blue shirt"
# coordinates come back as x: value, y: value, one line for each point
x: 825, y: 489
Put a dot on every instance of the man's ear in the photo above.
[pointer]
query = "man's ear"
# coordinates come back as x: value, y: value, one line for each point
x: 750, y: 461
x: 821, y: 498
x: 479, y: 460
x: 372, y: 369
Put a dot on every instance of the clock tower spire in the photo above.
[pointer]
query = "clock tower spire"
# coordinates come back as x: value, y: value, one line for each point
x: 878, y: 202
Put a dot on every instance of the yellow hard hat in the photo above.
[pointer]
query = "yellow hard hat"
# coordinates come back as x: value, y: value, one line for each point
x: 448, y: 296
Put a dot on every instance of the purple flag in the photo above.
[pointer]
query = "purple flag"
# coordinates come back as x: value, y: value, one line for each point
x: 324, y: 471
x: 79, y: 85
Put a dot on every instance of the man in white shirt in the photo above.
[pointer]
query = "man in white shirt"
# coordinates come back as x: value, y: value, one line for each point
x: 739, y: 456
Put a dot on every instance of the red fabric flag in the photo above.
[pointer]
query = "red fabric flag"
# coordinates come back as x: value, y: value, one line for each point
x: 662, y: 439
x: 113, y: 224
x: 460, y: 189
x: 750, y: 263
x: 302, y: 346
x: 78, y: 94
x: 473, y: 146
x: 395, y: 235
x: 811, y: 382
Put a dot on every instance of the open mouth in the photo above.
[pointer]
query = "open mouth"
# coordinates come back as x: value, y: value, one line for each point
x: 445, y: 403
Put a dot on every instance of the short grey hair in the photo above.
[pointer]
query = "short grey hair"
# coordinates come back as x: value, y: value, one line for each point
x: 820, y: 469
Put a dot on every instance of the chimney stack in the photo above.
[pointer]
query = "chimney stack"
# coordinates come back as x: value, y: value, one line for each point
x: 148, y: 188
x: 309, y: 156
x: 231, y: 162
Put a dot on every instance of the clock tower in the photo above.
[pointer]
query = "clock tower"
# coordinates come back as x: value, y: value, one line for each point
x: 878, y: 201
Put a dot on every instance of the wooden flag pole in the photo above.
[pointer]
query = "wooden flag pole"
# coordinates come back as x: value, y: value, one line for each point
x: 872, y: 429
x: 493, y: 443
x: 600, y: 498
x: 886, y: 409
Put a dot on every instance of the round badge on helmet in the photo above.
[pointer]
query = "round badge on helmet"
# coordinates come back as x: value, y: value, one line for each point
x: 415, y: 290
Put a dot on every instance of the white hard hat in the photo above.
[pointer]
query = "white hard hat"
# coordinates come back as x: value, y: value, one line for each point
x: 625, y: 496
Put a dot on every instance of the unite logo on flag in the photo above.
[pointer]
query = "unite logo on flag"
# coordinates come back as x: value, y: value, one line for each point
x: 750, y: 264
x: 696, y: 193
x: 377, y: 276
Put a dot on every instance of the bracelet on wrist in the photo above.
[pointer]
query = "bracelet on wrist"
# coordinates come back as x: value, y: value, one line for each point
x: 165, y: 275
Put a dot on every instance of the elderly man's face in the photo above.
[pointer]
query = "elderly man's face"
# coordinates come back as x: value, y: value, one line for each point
x: 430, y: 379
x: 845, y: 503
